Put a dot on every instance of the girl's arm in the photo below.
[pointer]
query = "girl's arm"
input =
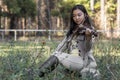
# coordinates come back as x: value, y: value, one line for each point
x: 89, y: 39
x: 62, y: 46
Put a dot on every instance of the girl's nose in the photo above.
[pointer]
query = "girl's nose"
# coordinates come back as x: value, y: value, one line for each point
x: 76, y: 17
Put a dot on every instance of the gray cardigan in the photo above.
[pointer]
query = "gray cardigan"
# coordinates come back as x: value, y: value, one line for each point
x: 82, y: 44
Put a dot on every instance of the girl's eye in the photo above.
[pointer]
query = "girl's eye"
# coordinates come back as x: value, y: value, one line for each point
x: 79, y: 14
x: 73, y: 15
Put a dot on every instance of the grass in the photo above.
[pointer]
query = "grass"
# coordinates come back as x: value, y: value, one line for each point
x: 21, y: 60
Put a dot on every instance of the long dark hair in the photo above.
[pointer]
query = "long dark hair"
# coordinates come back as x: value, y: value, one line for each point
x: 73, y: 24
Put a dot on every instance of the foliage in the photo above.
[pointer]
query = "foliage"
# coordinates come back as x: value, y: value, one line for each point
x: 21, y: 8
x: 20, y: 60
x: 111, y: 8
x: 64, y: 9
x: 111, y: 11
x: 65, y: 6
x: 97, y: 6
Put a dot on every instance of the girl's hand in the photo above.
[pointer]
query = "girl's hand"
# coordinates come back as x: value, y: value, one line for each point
x: 88, y: 32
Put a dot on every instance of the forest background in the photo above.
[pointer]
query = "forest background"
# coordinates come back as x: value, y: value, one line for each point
x: 55, y: 14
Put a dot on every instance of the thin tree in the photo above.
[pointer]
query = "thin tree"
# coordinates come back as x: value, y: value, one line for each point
x: 92, y: 5
x: 118, y: 16
x: 102, y: 24
x: 38, y: 15
x: 0, y: 15
x: 49, y: 17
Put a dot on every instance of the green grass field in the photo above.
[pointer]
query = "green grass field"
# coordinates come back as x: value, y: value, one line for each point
x: 21, y: 60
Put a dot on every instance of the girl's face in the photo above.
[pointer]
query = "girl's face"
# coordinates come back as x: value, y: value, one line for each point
x: 78, y: 16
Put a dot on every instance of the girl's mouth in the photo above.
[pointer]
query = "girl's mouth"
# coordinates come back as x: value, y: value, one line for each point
x: 78, y: 21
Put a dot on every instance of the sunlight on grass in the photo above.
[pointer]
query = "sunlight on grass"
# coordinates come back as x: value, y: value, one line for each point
x: 21, y: 60
x: 5, y: 51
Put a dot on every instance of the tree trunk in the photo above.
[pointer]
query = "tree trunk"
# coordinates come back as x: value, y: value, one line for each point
x: 48, y: 18
x: 39, y: 11
x: 13, y: 23
x: 0, y: 16
x: 48, y: 14
x: 102, y: 14
x: 39, y: 17
x: 92, y: 5
x: 23, y: 25
x: 118, y: 17
x: 6, y: 26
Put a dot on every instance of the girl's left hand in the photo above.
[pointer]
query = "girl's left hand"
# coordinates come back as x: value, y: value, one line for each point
x: 88, y: 31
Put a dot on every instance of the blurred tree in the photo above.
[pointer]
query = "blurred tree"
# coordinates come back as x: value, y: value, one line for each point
x: 60, y: 10
x: 92, y: 5
x: 0, y: 15
x: 39, y: 11
x: 118, y: 17
x: 103, y: 15
x: 48, y: 10
x: 19, y: 9
x: 38, y: 15
x: 111, y: 12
